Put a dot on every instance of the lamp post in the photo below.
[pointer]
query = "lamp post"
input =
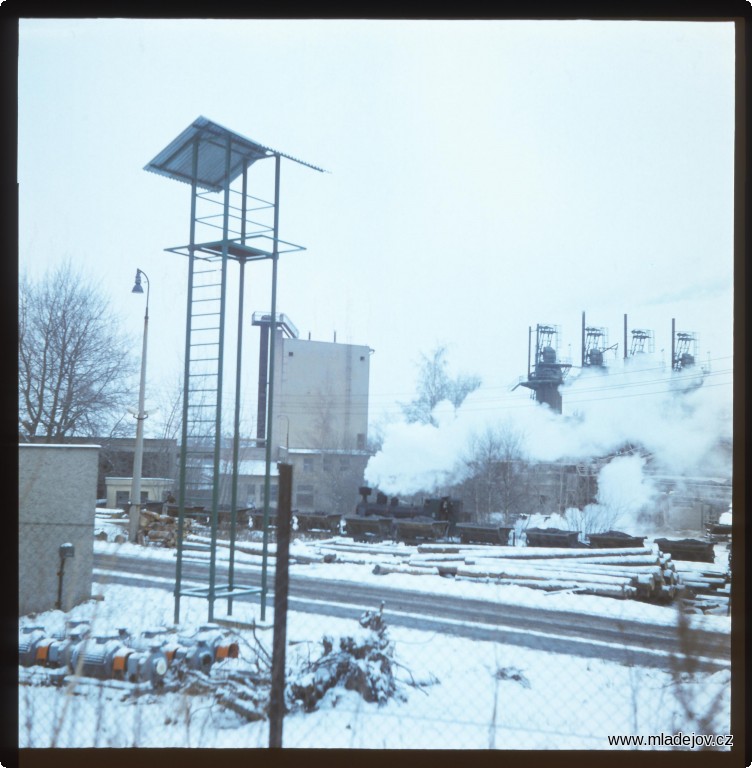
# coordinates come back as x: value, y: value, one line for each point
x: 135, y: 508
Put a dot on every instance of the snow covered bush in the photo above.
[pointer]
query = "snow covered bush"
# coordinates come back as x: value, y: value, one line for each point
x: 362, y: 662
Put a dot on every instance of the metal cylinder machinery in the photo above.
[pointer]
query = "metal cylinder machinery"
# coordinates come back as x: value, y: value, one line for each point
x: 28, y: 642
x: 107, y: 657
x: 207, y: 646
x: 57, y: 651
x: 118, y: 656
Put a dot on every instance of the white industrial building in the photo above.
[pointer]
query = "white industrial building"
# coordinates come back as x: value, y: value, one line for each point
x: 320, y: 414
x: 321, y: 394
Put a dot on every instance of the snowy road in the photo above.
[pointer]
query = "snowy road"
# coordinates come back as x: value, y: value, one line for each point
x: 628, y: 642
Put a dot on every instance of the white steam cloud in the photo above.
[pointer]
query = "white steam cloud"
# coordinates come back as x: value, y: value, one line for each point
x: 677, y: 417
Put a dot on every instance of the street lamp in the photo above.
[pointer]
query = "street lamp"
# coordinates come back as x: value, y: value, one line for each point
x: 135, y: 509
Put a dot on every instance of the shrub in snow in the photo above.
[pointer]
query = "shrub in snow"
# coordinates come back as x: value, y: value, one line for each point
x: 512, y: 673
x: 362, y: 662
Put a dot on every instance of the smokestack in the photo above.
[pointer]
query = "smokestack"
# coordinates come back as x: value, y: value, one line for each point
x: 673, y: 341
x: 529, y: 343
x: 262, y: 376
x: 583, y: 339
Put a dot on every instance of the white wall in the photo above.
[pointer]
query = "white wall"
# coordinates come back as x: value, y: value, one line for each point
x: 319, y: 382
x: 57, y: 495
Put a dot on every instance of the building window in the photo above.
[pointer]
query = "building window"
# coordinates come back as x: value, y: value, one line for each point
x: 344, y: 463
x: 361, y: 441
x: 308, y: 464
x: 122, y: 498
x: 304, y: 497
x: 328, y: 463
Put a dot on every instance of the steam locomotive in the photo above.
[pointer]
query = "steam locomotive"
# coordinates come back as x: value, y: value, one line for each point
x: 386, y: 517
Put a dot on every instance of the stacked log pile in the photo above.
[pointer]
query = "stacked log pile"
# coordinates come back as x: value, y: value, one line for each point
x: 640, y: 573
x: 162, y: 530
x: 255, y: 551
x: 707, y: 587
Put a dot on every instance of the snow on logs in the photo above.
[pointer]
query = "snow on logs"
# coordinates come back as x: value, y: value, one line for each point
x: 641, y: 573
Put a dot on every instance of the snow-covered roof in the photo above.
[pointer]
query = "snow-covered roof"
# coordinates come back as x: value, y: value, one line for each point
x: 327, y: 452
x: 59, y: 445
x: 256, y: 467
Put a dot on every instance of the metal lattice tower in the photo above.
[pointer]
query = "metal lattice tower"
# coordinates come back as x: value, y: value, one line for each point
x: 642, y: 342
x: 594, y: 346
x: 227, y: 224
x: 547, y: 373
x: 683, y: 348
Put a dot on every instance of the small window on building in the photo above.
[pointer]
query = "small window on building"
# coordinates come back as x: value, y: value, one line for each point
x: 273, y: 493
x: 308, y: 464
x: 328, y: 463
x: 304, y: 497
x: 121, y: 499
x: 361, y: 441
x: 289, y: 354
x: 344, y: 463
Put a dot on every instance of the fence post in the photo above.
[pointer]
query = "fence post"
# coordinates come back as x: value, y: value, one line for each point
x: 281, y: 583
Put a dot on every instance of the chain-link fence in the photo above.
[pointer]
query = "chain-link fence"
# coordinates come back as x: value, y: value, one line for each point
x: 433, y: 645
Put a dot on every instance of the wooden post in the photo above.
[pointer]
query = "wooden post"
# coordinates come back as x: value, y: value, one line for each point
x: 281, y: 584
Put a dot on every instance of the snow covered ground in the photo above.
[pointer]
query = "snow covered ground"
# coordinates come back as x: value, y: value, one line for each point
x: 477, y: 695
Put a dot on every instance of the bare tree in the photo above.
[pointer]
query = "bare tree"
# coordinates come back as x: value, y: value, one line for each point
x: 497, y: 478
x: 74, y: 364
x: 435, y: 385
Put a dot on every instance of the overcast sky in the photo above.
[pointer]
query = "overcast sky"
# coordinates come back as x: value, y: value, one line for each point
x: 482, y: 177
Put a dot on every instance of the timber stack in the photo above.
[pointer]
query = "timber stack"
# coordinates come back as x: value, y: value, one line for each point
x: 640, y: 573
x: 162, y: 530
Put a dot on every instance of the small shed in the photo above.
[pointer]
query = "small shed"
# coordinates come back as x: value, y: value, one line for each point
x: 152, y: 489
x: 57, y: 495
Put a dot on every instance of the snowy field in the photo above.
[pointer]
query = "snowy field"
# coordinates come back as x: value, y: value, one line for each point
x: 452, y: 693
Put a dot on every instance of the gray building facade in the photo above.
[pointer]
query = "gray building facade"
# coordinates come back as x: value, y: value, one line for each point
x: 320, y: 394
x: 57, y: 492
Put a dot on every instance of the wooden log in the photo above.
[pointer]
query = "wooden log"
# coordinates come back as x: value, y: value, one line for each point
x: 436, y: 558
x: 551, y: 553
x: 398, y: 550
x: 446, y: 548
x: 540, y: 575
x: 623, y: 562
x: 381, y: 568
x: 585, y: 569
x: 593, y: 588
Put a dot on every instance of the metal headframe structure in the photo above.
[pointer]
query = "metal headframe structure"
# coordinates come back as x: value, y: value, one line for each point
x: 227, y: 224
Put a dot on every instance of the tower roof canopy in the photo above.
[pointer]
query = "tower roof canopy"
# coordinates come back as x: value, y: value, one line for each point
x: 176, y: 160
